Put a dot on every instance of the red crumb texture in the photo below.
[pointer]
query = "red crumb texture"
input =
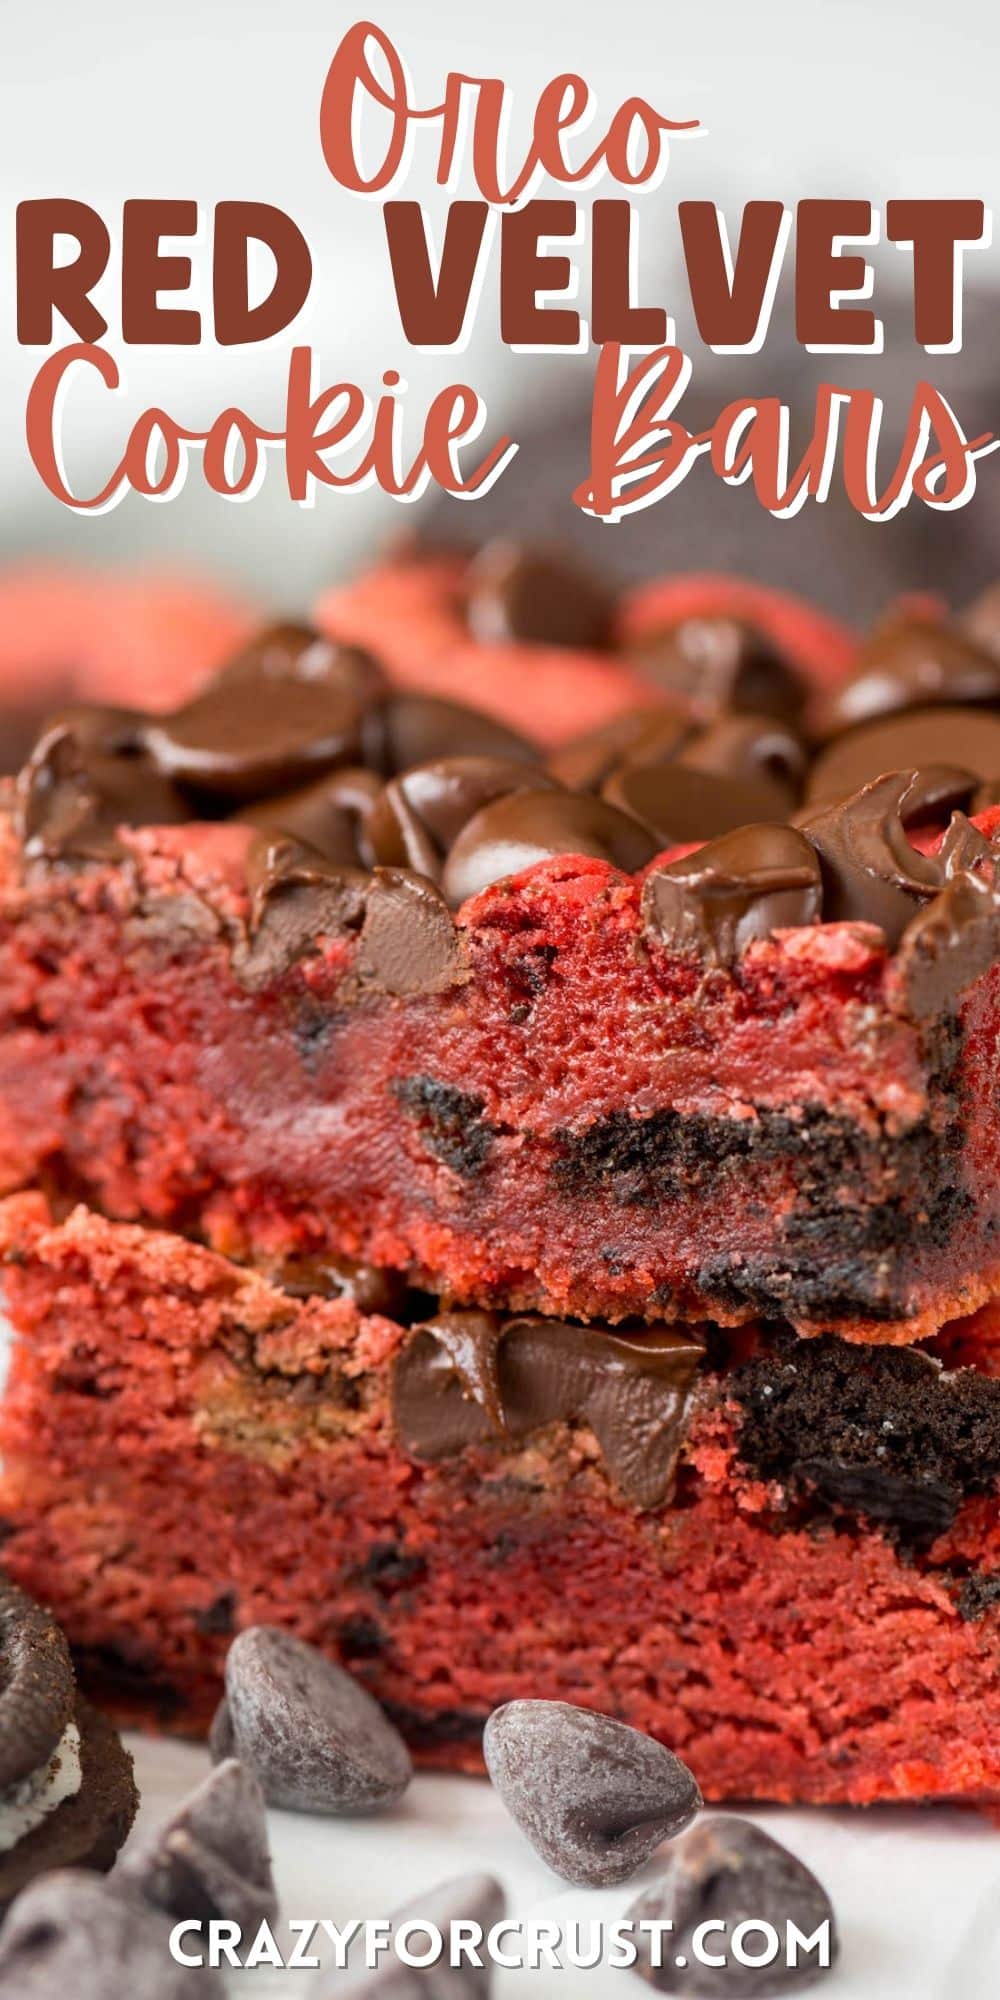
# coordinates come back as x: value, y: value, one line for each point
x: 410, y: 612
x: 578, y: 1124
x: 66, y: 635
x: 188, y: 1450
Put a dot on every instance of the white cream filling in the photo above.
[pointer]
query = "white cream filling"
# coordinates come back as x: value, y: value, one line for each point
x: 24, y: 1806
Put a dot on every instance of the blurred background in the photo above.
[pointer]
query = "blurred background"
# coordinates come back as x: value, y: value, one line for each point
x: 207, y: 100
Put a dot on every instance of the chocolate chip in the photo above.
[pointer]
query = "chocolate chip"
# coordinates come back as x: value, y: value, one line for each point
x: 750, y: 748
x: 330, y: 815
x: 638, y: 736
x: 718, y: 664
x: 727, y: 1872
x: 949, y: 943
x: 908, y: 663
x: 83, y: 780
x: 872, y: 873
x: 296, y: 897
x: 211, y: 1858
x: 408, y: 940
x: 316, y: 1739
x: 515, y: 832
x: 292, y: 705
x: 418, y: 816
x: 678, y: 804
x: 419, y: 728
x: 733, y: 891
x: 370, y: 1287
x: 468, y: 1899
x: 537, y: 597
x: 967, y: 739
x: 36, y: 1685
x: 72, y: 1933
x: 593, y: 1796
x: 468, y: 1378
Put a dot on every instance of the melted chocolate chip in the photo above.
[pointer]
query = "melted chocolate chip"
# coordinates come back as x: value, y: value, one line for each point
x: 322, y: 1275
x: 639, y: 736
x: 967, y: 739
x: 949, y: 943
x: 331, y: 815
x: 714, y: 664
x: 470, y: 1377
x: 296, y: 896
x: 529, y: 826
x: 679, y: 805
x: 419, y: 815
x: 909, y: 663
x: 750, y: 748
x: 408, y: 941
x: 293, y: 704
x: 871, y: 871
x: 536, y: 597
x: 420, y: 728
x: 85, y: 779
x: 737, y: 889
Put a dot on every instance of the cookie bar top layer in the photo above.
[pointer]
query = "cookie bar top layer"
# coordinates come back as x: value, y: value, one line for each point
x: 374, y: 1483
x: 572, y: 1035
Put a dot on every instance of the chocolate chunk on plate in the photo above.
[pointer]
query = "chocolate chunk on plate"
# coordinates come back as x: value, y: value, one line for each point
x: 211, y: 1858
x: 593, y: 1796
x: 727, y: 1872
x: 72, y: 1936
x: 315, y: 1738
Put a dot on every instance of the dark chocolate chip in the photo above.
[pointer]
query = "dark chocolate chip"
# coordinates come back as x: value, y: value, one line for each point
x: 370, y: 1287
x: 909, y: 663
x: 950, y: 942
x: 679, y: 804
x: 330, y: 815
x: 211, y: 1858
x: 82, y: 781
x: 467, y: 1378
x: 872, y: 873
x: 71, y: 1933
x: 638, y: 736
x: 530, y: 826
x: 291, y: 705
x: 594, y: 1797
x: 221, y: 1739
x: 408, y: 941
x: 469, y: 1899
x: 719, y: 664
x: 316, y: 1739
x: 967, y: 739
x: 751, y: 748
x: 36, y: 1685
x: 733, y: 891
x: 420, y: 728
x: 537, y: 597
x: 417, y: 816
x: 296, y: 897
x: 727, y: 1872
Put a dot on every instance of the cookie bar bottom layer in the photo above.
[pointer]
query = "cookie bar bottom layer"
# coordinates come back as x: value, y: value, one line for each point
x: 189, y: 1449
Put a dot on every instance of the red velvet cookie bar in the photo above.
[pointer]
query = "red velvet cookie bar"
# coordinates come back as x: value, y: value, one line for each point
x: 780, y: 1557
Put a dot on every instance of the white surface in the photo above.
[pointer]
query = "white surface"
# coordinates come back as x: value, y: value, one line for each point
x: 917, y: 1894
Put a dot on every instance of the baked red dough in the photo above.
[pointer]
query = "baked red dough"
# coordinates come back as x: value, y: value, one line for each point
x: 804, y: 1602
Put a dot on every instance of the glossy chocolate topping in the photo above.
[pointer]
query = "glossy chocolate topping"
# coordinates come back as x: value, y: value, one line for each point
x: 949, y: 943
x: 679, y: 804
x: 537, y: 597
x: 910, y: 663
x: 370, y: 1287
x: 296, y: 897
x: 408, y: 941
x: 752, y: 749
x: 640, y: 735
x: 872, y: 873
x: 291, y: 705
x: 966, y: 738
x: 471, y: 1378
x: 331, y: 814
x: 742, y: 887
x: 85, y: 778
x: 419, y: 815
x: 719, y: 664
x: 418, y: 728
x: 524, y: 827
